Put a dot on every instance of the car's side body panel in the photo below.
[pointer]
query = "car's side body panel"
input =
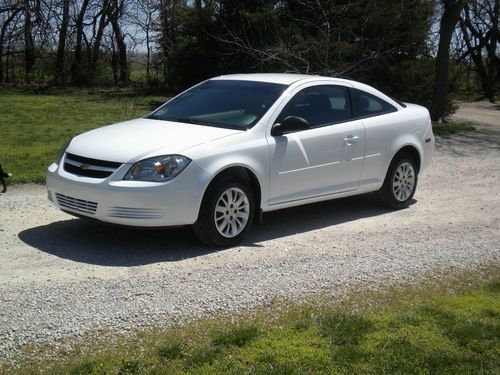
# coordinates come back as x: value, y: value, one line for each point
x: 240, y: 150
x: 385, y: 136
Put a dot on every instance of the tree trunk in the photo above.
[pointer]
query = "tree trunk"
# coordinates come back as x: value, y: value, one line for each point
x: 2, y: 37
x: 492, y: 53
x: 103, y: 22
x: 147, y: 29
x: 7, y: 61
x: 122, y: 52
x: 452, y: 9
x: 148, y: 56
x: 59, y: 68
x: 114, y: 63
x: 486, y: 39
x: 167, y: 26
x: 475, y: 52
x: 29, y: 49
x: 77, y: 74
x: 114, y: 15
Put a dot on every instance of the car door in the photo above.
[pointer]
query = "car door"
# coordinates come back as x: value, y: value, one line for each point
x: 322, y: 160
x: 382, y: 126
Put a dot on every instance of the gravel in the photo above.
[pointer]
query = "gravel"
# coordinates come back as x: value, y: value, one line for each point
x: 62, y: 278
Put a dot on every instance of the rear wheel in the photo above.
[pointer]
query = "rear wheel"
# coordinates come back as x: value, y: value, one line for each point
x: 400, y: 182
x: 226, y: 213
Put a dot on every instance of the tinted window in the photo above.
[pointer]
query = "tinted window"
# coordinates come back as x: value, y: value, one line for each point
x: 319, y: 105
x: 370, y: 105
x: 223, y: 103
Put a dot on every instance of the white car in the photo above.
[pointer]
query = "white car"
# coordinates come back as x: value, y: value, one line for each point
x: 223, y: 152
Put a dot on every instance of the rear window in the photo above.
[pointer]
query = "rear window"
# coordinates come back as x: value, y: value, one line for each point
x: 368, y: 105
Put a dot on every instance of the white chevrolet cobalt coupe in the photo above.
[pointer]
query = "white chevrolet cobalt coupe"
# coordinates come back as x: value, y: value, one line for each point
x: 230, y: 148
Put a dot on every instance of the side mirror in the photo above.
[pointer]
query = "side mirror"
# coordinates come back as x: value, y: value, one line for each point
x: 289, y: 125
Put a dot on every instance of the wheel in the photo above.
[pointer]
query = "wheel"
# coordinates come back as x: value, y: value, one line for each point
x: 400, y: 182
x: 226, y: 213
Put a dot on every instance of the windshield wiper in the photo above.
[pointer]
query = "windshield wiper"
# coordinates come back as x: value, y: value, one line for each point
x: 190, y: 120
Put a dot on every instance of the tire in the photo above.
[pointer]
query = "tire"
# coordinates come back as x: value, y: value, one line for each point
x: 403, y: 169
x: 210, y: 227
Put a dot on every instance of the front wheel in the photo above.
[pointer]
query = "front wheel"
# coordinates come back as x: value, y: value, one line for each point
x: 226, y: 213
x: 400, y: 182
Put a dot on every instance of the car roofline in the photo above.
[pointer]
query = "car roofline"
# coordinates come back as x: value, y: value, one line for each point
x: 279, y: 78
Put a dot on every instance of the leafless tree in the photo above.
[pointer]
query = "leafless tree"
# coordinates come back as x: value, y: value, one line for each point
x: 480, y: 30
x: 29, y: 48
x: 451, y: 13
x: 8, y: 14
x: 77, y: 66
x: 115, y: 13
x: 143, y: 17
x: 63, y: 30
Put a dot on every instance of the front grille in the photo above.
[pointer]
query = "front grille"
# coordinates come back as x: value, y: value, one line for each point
x: 75, y: 204
x: 136, y: 213
x: 87, y: 167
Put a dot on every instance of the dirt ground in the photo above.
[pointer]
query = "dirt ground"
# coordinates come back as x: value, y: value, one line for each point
x: 483, y: 114
x: 64, y: 277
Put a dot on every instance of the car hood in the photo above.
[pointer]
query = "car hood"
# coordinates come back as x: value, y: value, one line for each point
x: 131, y: 141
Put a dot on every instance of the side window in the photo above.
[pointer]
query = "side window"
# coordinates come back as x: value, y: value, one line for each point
x: 370, y: 105
x: 319, y: 105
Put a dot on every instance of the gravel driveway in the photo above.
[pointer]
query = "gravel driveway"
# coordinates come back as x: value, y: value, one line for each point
x: 63, y: 277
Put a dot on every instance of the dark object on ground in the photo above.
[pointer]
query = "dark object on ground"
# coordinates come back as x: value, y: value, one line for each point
x: 3, y: 176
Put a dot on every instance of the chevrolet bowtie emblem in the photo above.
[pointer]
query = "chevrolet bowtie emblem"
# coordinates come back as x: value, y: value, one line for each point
x: 84, y: 166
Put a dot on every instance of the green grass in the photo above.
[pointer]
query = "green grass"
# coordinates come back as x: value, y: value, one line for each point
x: 443, y: 326
x: 34, y: 126
x: 235, y: 336
x: 447, y: 129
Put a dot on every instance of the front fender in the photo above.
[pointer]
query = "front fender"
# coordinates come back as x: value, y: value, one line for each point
x: 254, y: 158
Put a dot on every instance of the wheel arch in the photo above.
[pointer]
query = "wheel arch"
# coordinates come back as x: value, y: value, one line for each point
x: 406, y: 143
x: 411, y: 150
x: 244, y: 173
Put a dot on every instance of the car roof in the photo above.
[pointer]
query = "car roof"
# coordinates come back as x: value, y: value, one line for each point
x: 281, y: 78
x: 289, y: 79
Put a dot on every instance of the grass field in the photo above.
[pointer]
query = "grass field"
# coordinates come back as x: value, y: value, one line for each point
x: 34, y: 126
x: 446, y: 326
x: 445, y: 130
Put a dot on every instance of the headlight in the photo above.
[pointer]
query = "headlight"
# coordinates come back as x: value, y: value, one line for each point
x: 62, y: 151
x: 160, y: 168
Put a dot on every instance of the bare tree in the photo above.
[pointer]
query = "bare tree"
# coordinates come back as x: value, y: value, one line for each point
x: 449, y: 20
x: 167, y: 32
x: 11, y: 13
x: 479, y: 25
x: 102, y: 16
x: 143, y: 18
x: 59, y: 66
x: 115, y: 12
x: 29, y: 48
x: 77, y: 66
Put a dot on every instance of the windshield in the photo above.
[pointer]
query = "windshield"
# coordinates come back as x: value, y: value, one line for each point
x: 222, y: 103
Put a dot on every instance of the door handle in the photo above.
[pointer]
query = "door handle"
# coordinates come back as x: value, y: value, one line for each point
x: 349, y: 140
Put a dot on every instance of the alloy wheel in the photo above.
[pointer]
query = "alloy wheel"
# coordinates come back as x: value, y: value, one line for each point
x: 231, y: 212
x: 404, y: 181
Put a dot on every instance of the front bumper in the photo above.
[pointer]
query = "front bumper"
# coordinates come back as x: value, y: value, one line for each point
x: 135, y: 203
